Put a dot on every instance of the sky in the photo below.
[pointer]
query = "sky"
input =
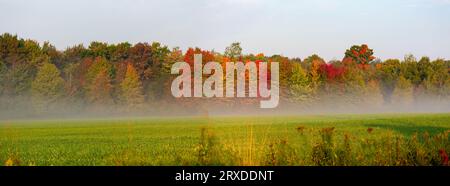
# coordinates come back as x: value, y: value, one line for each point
x: 294, y: 28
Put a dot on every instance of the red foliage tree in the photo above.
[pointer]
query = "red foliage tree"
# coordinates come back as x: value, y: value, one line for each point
x: 360, y: 55
x: 331, y: 72
x: 207, y: 56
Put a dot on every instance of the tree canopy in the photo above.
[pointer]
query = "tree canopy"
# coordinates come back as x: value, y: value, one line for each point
x: 138, y: 75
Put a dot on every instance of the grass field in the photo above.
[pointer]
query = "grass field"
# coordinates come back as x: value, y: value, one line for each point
x: 383, y: 139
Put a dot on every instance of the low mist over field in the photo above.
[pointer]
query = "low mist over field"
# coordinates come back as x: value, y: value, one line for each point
x: 218, y: 108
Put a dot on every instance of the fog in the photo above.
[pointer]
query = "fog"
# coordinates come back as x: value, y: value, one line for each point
x: 22, y: 108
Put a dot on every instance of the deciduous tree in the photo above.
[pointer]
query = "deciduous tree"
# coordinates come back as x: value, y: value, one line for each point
x: 300, y: 84
x: 100, y: 91
x: 358, y: 54
x: 234, y: 51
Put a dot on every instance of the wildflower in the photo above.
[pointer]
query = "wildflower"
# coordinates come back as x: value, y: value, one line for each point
x: 9, y: 162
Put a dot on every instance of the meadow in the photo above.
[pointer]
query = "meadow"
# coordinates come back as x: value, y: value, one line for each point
x: 345, y: 139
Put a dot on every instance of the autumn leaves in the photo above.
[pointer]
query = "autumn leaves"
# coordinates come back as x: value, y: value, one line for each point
x: 182, y: 85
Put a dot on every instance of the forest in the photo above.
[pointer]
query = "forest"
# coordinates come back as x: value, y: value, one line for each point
x: 37, y: 80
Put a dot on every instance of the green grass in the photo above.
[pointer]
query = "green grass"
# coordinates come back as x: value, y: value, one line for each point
x: 226, y: 140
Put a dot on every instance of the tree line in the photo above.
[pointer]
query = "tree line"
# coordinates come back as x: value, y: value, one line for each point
x: 103, y: 76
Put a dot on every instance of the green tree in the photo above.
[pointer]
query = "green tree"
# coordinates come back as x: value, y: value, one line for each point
x: 300, y: 84
x: 234, y: 51
x: 74, y: 54
x: 100, y: 64
x: 388, y: 73
x: 409, y: 69
x: 159, y: 55
x: 99, y: 49
x: 32, y: 52
x: 312, y: 65
x: 47, y: 88
x: 19, y: 78
x: 424, y: 68
x: 131, y: 86
x: 437, y: 81
x: 120, y: 51
x: 176, y: 55
x: 10, y: 48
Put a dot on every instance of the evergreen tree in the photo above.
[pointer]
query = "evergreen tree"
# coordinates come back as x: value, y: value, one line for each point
x: 47, y: 88
x: 132, y: 93
x: 100, y: 64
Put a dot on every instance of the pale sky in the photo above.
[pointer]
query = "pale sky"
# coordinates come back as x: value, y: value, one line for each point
x: 295, y: 28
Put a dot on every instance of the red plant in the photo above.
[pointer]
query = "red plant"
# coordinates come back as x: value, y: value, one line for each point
x: 189, y: 56
x: 207, y: 56
x: 363, y: 50
x: 444, y: 156
x: 331, y: 71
